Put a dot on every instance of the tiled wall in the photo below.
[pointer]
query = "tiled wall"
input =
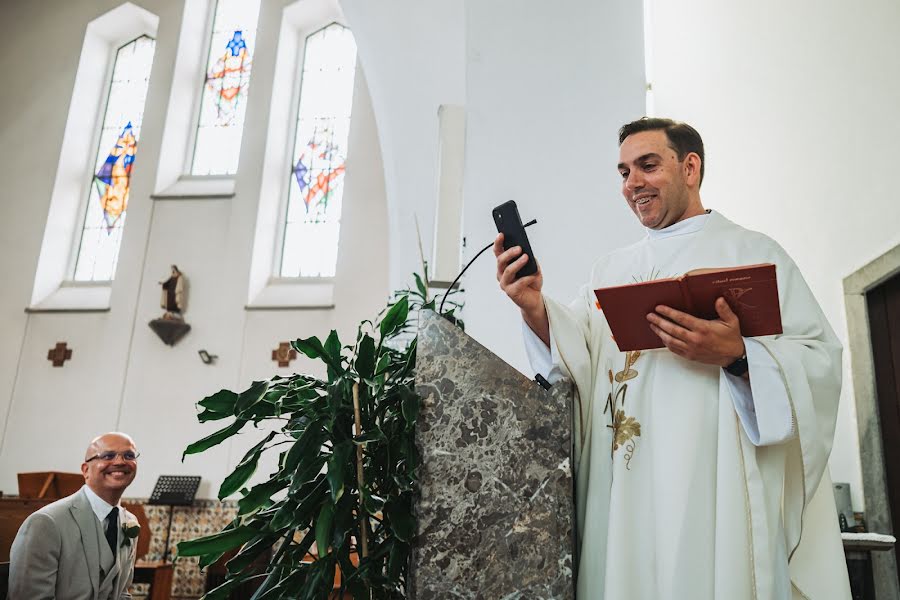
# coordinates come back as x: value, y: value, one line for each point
x: 203, y: 518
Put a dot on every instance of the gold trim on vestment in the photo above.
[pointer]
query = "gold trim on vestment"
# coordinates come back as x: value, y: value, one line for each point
x: 751, y: 545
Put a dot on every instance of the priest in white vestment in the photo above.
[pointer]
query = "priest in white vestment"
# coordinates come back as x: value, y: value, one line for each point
x: 701, y: 467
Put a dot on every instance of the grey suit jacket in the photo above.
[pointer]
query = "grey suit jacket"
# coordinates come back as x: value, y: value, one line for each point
x: 59, y: 553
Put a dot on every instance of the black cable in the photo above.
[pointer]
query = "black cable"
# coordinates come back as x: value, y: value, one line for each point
x: 469, y: 264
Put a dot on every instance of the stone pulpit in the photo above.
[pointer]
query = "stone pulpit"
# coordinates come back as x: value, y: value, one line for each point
x: 495, y: 506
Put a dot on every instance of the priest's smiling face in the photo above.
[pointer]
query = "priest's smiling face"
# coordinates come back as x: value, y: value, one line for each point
x: 659, y: 188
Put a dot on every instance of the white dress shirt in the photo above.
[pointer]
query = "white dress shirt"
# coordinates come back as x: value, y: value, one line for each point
x: 101, y: 507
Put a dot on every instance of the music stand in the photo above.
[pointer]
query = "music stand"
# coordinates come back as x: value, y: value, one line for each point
x: 172, y: 491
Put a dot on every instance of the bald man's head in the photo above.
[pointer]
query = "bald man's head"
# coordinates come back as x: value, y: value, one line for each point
x: 102, y: 441
x: 110, y: 465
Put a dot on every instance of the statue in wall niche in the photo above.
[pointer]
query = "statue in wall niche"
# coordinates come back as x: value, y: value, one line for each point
x: 173, y: 297
x: 171, y: 326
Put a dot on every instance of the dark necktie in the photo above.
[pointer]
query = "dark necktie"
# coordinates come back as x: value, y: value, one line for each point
x: 112, y: 528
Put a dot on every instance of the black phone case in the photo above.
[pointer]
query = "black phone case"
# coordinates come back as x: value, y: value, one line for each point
x: 509, y: 223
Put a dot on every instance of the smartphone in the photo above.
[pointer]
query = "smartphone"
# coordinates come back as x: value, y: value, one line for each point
x: 509, y: 223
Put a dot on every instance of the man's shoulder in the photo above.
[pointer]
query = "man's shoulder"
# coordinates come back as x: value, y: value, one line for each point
x: 61, y: 507
x: 751, y: 240
x: 47, y: 522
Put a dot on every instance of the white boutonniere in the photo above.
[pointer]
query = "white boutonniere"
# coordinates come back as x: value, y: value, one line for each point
x: 130, y: 530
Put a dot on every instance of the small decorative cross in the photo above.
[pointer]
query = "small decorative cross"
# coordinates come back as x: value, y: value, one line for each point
x: 284, y: 354
x: 60, y: 354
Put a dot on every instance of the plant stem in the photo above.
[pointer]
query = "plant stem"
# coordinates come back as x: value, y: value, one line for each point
x: 359, y: 471
x: 363, y: 525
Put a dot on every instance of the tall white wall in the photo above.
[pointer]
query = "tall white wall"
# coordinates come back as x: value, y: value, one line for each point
x: 121, y: 376
x: 548, y: 86
x: 797, y: 103
x: 414, y: 53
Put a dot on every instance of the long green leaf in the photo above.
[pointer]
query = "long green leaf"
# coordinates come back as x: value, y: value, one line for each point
x: 306, y: 446
x: 306, y: 475
x: 285, y: 516
x: 264, y: 591
x: 403, y: 524
x: 410, y: 360
x: 381, y: 368
x: 315, y: 582
x: 214, y: 438
x: 217, y: 406
x: 251, y: 396
x: 373, y: 435
x: 219, y: 542
x: 222, y: 401
x: 313, y: 494
x: 313, y: 348
x: 298, y: 398
x: 395, y: 317
x: 333, y: 347
x: 276, y: 393
x: 260, y: 495
x: 372, y: 503
x: 397, y: 560
x: 365, y: 357
x: 327, y: 577
x: 333, y: 355
x: 223, y: 592
x: 244, y: 469
x: 337, y: 468
x: 345, y: 523
x: 287, y: 588
x: 261, y: 411
x: 250, y: 552
x: 410, y: 406
x: 208, y: 415
x: 324, y: 528
x: 209, y: 559
x: 420, y: 285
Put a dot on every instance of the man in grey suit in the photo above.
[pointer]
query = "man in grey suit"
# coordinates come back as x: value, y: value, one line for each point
x: 81, y: 547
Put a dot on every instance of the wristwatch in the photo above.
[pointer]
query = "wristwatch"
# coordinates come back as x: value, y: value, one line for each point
x: 738, y: 367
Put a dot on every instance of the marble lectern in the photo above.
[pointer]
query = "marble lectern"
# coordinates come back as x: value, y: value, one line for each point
x: 495, y: 509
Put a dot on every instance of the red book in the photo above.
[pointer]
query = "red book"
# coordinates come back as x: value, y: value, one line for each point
x: 751, y: 292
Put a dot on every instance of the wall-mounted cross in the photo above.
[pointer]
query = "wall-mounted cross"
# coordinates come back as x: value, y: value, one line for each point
x: 60, y: 354
x: 284, y: 354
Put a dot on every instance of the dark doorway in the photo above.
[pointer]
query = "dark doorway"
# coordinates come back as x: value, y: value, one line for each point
x: 883, y: 303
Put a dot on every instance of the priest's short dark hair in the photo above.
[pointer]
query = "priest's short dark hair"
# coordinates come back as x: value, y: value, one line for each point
x: 683, y: 138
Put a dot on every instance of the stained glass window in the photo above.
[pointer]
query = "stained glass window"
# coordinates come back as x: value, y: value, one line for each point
x: 226, y: 88
x: 320, y: 151
x: 107, y: 205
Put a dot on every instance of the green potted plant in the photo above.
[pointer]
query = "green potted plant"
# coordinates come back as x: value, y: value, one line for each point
x: 346, y: 467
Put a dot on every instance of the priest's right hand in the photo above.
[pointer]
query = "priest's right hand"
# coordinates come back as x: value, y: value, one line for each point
x: 525, y: 292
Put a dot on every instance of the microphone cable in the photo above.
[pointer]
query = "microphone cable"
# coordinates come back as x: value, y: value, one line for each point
x: 469, y: 264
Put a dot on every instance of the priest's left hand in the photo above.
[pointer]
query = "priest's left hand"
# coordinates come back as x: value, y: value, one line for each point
x: 714, y: 342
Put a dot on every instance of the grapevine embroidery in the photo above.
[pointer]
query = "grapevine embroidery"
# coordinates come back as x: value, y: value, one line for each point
x: 625, y: 428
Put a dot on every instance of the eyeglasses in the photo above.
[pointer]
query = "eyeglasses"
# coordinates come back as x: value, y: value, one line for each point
x: 110, y: 456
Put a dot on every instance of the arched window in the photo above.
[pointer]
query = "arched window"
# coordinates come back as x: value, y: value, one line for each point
x: 223, y: 105
x: 104, y: 216
x: 313, y: 213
